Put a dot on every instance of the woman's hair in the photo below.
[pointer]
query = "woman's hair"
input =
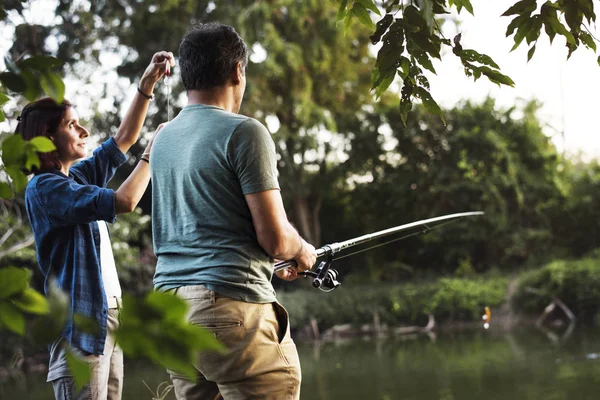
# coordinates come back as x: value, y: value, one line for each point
x: 42, y: 118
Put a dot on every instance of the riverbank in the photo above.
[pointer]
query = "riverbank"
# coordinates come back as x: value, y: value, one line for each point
x: 561, y: 293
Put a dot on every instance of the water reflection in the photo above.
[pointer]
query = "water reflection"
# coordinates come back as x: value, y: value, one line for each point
x: 474, y: 365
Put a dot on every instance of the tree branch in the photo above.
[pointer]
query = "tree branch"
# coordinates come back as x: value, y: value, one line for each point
x: 27, y: 242
x: 5, y: 237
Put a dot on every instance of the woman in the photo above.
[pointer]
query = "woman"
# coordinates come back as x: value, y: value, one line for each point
x: 68, y: 206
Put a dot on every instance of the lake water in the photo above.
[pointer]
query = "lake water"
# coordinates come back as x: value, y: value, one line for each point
x: 474, y: 365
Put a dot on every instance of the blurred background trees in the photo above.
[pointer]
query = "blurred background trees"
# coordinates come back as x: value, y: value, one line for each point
x: 347, y: 163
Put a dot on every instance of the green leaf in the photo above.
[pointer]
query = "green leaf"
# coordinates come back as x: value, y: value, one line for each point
x: 42, y: 144
x: 12, y: 318
x: 496, y: 76
x: 424, y: 60
x: 32, y: 160
x: 342, y: 10
x: 520, y: 35
x: 587, y: 8
x: 573, y: 15
x: 521, y: 7
x: 3, y: 99
x: 530, y: 53
x: 85, y: 324
x: 32, y: 82
x: 5, y: 192
x: 472, y: 55
x: 53, y: 86
x: 79, y: 368
x: 405, y: 107
x: 588, y: 40
x: 40, y: 63
x: 512, y: 26
x: 382, y: 26
x: 369, y: 5
x: 384, y: 83
x: 31, y: 301
x: 438, y: 8
x: 48, y: 328
x: 460, y: 4
x: 13, y: 150
x: 2, y: 116
x: 413, y: 16
x: 363, y: 15
x: 467, y: 4
x: 390, y: 52
x: 348, y: 21
x: 404, y: 67
x: 430, y: 104
x: 13, y: 281
x: 534, y: 31
x: 172, y: 307
x: 424, y: 42
x: 559, y: 28
x: 598, y: 60
x: 13, y: 81
x: 156, y: 327
x: 19, y: 179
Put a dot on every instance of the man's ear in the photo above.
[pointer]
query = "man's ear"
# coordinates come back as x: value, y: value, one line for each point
x: 237, y: 74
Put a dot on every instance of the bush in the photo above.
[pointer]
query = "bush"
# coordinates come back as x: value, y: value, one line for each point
x: 405, y: 304
x: 575, y: 282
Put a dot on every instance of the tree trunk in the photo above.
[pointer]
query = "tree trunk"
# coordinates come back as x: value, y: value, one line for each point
x: 306, y: 218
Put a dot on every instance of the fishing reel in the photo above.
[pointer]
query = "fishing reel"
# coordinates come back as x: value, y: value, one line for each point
x: 324, y: 277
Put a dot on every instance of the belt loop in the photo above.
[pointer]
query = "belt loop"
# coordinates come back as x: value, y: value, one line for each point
x: 114, y: 303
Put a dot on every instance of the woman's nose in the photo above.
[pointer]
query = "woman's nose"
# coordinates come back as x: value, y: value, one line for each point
x: 83, y: 132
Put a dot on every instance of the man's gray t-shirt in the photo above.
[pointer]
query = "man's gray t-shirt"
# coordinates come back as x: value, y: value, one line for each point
x: 203, y: 163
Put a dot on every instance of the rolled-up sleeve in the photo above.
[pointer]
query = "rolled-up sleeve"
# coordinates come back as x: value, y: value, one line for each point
x: 100, y: 168
x: 68, y: 202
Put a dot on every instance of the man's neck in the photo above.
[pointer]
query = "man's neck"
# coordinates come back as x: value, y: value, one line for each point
x: 218, y: 97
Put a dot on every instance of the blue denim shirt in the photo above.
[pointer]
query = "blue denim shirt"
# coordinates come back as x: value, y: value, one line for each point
x: 63, y: 211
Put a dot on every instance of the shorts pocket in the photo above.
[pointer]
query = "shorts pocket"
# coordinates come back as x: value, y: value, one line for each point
x: 283, y: 322
x: 219, y: 326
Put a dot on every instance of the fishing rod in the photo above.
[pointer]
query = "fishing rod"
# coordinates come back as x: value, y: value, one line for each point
x: 326, y: 277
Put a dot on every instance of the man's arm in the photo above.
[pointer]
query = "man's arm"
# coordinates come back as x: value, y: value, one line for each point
x: 275, y: 233
x: 132, y: 123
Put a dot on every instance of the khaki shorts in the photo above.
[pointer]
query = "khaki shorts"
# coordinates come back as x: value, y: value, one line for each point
x: 261, y: 361
x: 106, y: 370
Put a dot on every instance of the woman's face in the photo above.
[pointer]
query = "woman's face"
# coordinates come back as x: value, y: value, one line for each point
x: 70, y: 138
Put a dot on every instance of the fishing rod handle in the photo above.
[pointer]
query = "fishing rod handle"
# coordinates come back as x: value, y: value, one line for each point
x: 321, y: 252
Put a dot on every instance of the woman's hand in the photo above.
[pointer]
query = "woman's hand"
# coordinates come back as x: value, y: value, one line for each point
x: 156, y: 70
x: 149, y: 147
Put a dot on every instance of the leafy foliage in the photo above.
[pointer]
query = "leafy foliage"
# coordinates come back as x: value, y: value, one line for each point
x: 155, y: 326
x: 575, y: 282
x: 17, y: 298
x: 449, y: 299
x: 32, y: 76
x: 484, y: 159
x: 18, y: 153
x: 411, y: 38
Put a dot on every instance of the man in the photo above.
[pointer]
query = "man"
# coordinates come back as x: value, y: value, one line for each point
x: 218, y: 223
